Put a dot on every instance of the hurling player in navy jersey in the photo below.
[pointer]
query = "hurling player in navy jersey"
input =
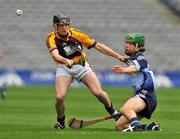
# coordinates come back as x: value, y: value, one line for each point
x: 143, y: 103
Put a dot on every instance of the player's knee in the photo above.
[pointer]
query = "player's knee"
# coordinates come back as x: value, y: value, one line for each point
x: 122, y: 110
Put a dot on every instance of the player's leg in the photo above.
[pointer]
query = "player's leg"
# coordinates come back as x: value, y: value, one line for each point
x: 130, y: 109
x: 122, y: 123
x: 3, y: 90
x: 61, y: 85
x: 91, y: 81
x: 153, y: 126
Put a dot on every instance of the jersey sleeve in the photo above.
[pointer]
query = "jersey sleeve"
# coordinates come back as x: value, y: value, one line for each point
x: 85, y: 39
x: 50, y: 42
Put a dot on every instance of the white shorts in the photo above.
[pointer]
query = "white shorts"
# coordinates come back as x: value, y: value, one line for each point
x: 77, y: 71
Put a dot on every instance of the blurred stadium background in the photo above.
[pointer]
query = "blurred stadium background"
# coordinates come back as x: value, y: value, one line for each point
x: 28, y: 61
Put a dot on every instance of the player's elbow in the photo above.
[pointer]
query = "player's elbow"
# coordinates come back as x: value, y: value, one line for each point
x: 99, y: 47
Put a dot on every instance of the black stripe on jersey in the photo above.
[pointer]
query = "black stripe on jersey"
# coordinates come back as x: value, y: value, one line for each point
x: 52, y: 50
x: 92, y: 45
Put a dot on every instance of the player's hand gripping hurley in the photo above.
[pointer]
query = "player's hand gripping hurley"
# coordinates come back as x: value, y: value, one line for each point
x: 77, y: 123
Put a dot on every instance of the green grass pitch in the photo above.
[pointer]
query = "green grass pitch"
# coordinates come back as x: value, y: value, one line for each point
x: 29, y: 113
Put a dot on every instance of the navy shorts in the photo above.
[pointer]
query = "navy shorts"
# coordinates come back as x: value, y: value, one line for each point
x: 149, y: 96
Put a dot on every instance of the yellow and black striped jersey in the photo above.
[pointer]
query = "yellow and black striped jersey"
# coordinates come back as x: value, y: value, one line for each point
x: 70, y: 46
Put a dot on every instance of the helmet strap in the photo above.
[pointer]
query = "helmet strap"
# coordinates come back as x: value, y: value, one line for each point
x: 136, y: 46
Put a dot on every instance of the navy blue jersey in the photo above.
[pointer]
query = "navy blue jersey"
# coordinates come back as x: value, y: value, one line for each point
x: 143, y: 82
x: 144, y: 76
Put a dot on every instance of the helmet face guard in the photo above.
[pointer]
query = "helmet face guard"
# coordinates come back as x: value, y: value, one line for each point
x: 137, y: 39
x: 61, y: 19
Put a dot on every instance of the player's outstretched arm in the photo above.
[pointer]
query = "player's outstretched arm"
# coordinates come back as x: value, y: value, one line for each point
x: 121, y: 70
x: 108, y: 51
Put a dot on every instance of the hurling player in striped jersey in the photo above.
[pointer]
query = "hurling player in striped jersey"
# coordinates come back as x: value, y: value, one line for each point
x: 66, y: 45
